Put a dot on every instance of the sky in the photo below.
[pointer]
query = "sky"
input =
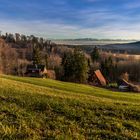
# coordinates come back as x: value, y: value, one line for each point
x: 65, y: 19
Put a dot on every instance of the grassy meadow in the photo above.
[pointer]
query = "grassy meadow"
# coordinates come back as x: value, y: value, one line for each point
x: 35, y: 109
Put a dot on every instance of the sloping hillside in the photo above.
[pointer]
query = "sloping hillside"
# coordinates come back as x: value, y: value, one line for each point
x: 47, y: 109
x: 132, y: 48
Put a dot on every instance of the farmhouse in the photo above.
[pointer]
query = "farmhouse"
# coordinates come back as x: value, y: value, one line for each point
x: 36, y: 71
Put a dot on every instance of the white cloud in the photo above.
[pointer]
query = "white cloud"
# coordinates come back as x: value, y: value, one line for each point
x: 52, y: 30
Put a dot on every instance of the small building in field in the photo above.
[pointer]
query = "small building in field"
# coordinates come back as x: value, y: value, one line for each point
x: 96, y: 78
x: 36, y: 71
x: 126, y: 86
x: 123, y: 85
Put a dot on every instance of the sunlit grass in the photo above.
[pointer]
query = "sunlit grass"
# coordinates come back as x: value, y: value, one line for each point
x: 33, y: 108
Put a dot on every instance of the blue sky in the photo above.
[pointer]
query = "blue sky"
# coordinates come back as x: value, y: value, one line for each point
x: 114, y: 19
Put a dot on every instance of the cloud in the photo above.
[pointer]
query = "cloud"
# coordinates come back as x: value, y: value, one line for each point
x: 68, y: 19
x: 60, y: 31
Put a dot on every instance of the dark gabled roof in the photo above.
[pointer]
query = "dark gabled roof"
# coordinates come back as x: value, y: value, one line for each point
x: 36, y: 67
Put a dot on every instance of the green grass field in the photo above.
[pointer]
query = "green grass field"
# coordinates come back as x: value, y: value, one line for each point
x: 34, y: 109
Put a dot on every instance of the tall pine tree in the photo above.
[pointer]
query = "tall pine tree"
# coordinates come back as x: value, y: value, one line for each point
x: 75, y: 66
x: 36, y: 55
x: 95, y: 55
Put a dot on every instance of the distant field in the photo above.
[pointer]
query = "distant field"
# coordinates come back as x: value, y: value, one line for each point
x: 124, y: 56
x: 34, y: 109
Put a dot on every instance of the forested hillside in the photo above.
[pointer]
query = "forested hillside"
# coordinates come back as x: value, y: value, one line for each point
x: 66, y: 63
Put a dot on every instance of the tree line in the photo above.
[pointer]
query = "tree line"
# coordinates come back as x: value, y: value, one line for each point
x: 69, y: 64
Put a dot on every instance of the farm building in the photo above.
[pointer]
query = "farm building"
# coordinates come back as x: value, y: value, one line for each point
x: 36, y: 71
x: 123, y: 85
x: 97, y: 78
x: 126, y: 86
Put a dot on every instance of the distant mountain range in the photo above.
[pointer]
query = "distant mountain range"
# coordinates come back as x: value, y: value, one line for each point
x: 90, y: 41
x: 94, y: 39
